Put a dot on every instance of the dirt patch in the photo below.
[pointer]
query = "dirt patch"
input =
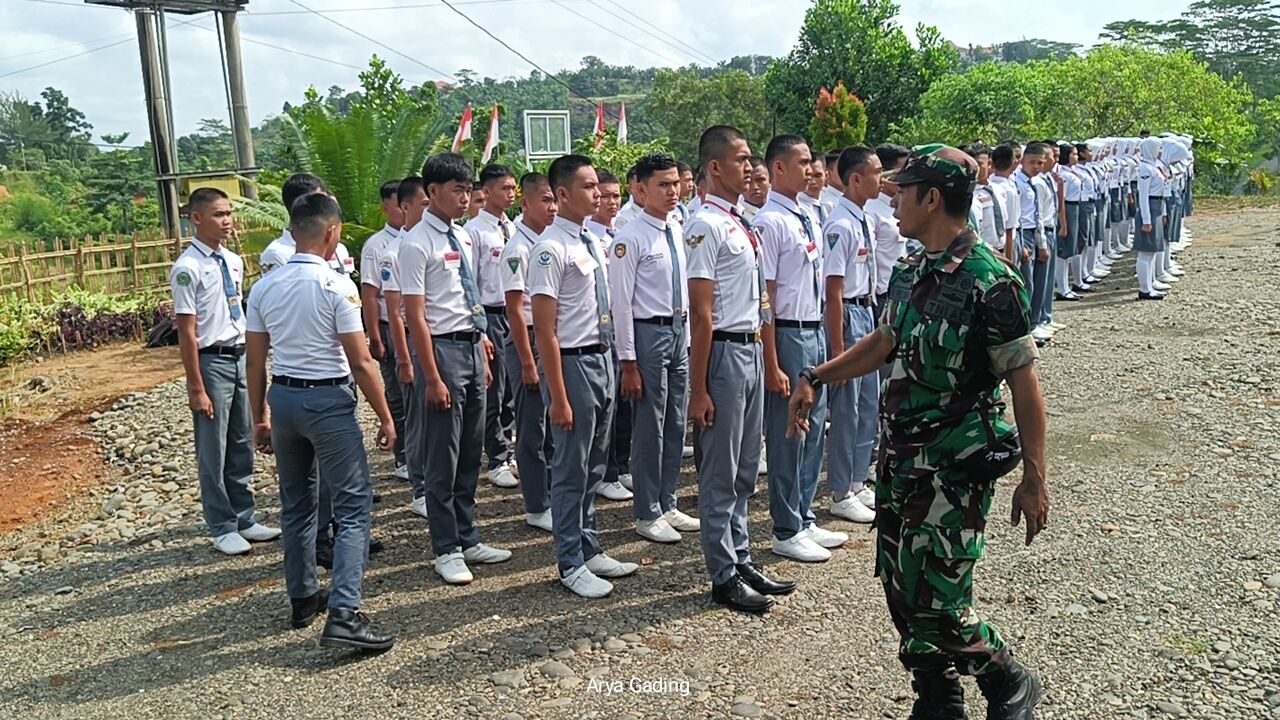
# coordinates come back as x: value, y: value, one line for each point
x: 49, y: 457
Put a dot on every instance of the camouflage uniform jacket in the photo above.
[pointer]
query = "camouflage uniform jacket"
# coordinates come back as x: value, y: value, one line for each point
x: 959, y: 322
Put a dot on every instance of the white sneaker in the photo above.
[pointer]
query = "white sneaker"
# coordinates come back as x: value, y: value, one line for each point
x: 1176, y: 271
x: 682, y: 522
x: 231, y: 544
x: 1167, y: 278
x: 826, y: 538
x: 1056, y: 326
x: 800, y: 547
x: 624, y: 479
x: 419, y: 506
x: 541, y: 520
x: 1042, y: 333
x: 259, y: 533
x: 614, y: 491
x: 1106, y: 261
x: 1114, y: 256
x: 453, y: 569
x: 485, y: 555
x: 1100, y: 272
x: 402, y: 472
x: 853, y: 510
x: 686, y: 452
x: 763, y: 468
x: 602, y: 565
x: 657, y: 530
x: 501, y: 477
x: 1157, y: 285
x: 866, y: 496
x: 585, y: 583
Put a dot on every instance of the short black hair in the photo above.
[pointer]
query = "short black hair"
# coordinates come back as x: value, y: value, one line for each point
x: 494, y: 172
x: 1081, y: 149
x: 715, y: 142
x: 445, y: 168
x: 1144, y: 134
x: 1002, y: 157
x: 683, y: 167
x: 851, y: 158
x: 978, y: 148
x: 311, y: 214
x: 563, y: 168
x: 202, y: 198
x: 631, y: 174
x: 955, y: 203
x: 817, y: 157
x: 757, y: 162
x: 832, y: 159
x: 891, y: 154
x: 408, y: 188
x: 604, y: 177
x: 389, y: 189
x: 300, y: 184
x: 1036, y: 148
x: 780, y: 146
x: 654, y: 162
x: 530, y: 182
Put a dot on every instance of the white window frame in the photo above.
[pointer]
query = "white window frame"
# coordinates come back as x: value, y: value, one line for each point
x: 547, y: 115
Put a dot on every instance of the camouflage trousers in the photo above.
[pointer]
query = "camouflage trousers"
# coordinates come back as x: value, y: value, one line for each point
x: 930, y: 525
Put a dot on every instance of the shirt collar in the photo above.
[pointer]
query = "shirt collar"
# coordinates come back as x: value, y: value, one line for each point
x: 436, y: 223
x: 719, y: 202
x: 393, y: 232
x: 202, y: 248
x: 308, y: 258
x: 957, y: 252
x: 568, y: 226
x: 888, y: 201
x: 785, y: 202
x: 493, y: 218
x: 852, y: 207
x: 653, y: 221
x: 527, y: 231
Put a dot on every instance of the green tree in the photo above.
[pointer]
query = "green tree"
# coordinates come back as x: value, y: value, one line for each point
x: 686, y: 105
x: 861, y: 43
x: 23, y: 128
x: 992, y: 101
x: 839, y: 120
x: 616, y: 158
x: 1034, y: 49
x: 210, y: 147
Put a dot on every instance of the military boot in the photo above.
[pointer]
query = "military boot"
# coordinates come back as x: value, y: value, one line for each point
x: 1012, y: 692
x: 939, y: 697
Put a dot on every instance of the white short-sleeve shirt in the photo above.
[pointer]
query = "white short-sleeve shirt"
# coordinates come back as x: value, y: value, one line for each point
x: 641, y: 283
x: 720, y: 249
x: 850, y: 253
x: 562, y: 267
x: 282, y: 249
x: 371, y: 264
x: 304, y: 306
x: 199, y: 289
x: 890, y: 245
x: 792, y: 258
x: 515, y: 266
x: 430, y: 267
x: 489, y: 235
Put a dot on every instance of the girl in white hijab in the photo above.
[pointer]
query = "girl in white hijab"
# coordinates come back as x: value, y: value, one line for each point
x: 1149, y: 237
x: 1174, y: 156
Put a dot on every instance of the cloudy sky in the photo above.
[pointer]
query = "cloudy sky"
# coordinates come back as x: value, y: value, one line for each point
x: 104, y: 81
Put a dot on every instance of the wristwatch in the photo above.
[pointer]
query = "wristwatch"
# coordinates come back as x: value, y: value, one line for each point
x: 810, y: 376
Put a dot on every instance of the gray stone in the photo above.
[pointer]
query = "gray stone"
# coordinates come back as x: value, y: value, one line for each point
x: 1170, y: 708
x: 1273, y: 581
x: 1076, y: 609
x: 555, y: 670
x: 509, y: 678
x: 747, y: 710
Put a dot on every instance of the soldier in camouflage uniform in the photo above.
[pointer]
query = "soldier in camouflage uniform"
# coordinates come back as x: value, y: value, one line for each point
x: 957, y: 322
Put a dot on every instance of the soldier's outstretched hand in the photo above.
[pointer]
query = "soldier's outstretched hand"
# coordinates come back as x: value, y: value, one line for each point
x: 798, y: 410
x: 1031, y: 502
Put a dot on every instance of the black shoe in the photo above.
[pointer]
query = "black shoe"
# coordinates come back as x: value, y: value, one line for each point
x: 324, y: 554
x: 377, y: 497
x: 940, y: 696
x: 1069, y: 297
x: 736, y: 594
x: 306, y: 609
x: 761, y: 583
x: 1012, y: 692
x: 375, y: 546
x: 1150, y: 296
x: 350, y: 629
x: 1081, y: 289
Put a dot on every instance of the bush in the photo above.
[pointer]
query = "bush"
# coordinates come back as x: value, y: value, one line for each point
x: 75, y: 320
x: 839, y: 120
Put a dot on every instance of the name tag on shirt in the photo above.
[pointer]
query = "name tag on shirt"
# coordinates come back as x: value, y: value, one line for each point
x: 864, y: 254
x: 497, y: 252
x: 452, y: 259
x: 811, y: 250
x: 348, y: 265
x: 586, y: 264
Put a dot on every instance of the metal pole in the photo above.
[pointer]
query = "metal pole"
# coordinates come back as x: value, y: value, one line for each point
x: 241, y: 130
x: 162, y: 26
x: 158, y: 120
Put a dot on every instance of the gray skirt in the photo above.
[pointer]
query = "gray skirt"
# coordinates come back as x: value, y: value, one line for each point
x: 1152, y: 241
x: 1069, y: 246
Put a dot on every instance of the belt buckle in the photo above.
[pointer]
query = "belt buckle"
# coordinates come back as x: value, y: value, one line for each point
x: 755, y: 336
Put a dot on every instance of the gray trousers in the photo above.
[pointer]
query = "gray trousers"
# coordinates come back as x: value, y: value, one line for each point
x: 730, y: 455
x: 317, y: 428
x: 393, y: 390
x: 533, y: 442
x: 415, y: 408
x: 795, y: 464
x: 224, y: 446
x: 854, y: 412
x: 499, y: 406
x: 581, y: 454
x: 452, y: 440
x: 1027, y: 241
x: 658, y: 417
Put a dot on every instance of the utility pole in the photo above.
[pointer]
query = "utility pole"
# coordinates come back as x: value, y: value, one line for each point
x: 158, y: 117
x: 241, y: 130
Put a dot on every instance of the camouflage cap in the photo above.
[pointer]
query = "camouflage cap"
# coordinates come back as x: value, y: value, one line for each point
x: 941, y: 165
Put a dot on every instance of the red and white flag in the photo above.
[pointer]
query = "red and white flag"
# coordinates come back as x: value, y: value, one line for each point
x: 622, y: 124
x: 491, y: 144
x: 599, y: 131
x: 464, y: 130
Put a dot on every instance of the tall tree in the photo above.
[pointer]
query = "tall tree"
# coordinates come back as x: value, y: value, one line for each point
x: 861, y: 43
x: 686, y: 105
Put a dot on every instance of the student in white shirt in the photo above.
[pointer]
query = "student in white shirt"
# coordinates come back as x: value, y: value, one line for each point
x: 758, y: 186
x: 1002, y: 167
x: 376, y: 320
x: 278, y: 252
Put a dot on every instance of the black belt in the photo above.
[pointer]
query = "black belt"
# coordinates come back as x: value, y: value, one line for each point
x: 228, y: 350
x: 596, y: 349
x: 741, y: 338
x: 661, y: 320
x: 800, y: 324
x: 1073, y: 202
x: 867, y: 301
x: 495, y: 310
x: 461, y: 336
x: 293, y: 382
x: 384, y: 322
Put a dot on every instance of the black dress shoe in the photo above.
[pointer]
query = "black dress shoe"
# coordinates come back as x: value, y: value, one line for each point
x: 306, y: 609
x: 736, y: 594
x: 377, y: 497
x: 761, y: 583
x: 375, y: 546
x: 350, y: 629
x: 1150, y: 296
x: 324, y: 554
x: 1081, y: 289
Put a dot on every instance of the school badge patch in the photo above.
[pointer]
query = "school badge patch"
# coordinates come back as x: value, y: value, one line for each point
x: 386, y: 273
x: 832, y: 239
x: 183, y: 278
x: 353, y: 299
x: 620, y: 250
x: 694, y: 241
x: 544, y: 259
x: 514, y: 264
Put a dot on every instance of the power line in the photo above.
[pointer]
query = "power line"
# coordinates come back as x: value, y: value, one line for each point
x: 79, y: 54
x: 688, y: 45
x: 520, y: 55
x: 65, y: 47
x: 615, y: 33
x: 405, y: 7
x: 366, y: 37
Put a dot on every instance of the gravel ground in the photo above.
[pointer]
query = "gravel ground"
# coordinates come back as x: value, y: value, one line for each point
x: 1152, y: 594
